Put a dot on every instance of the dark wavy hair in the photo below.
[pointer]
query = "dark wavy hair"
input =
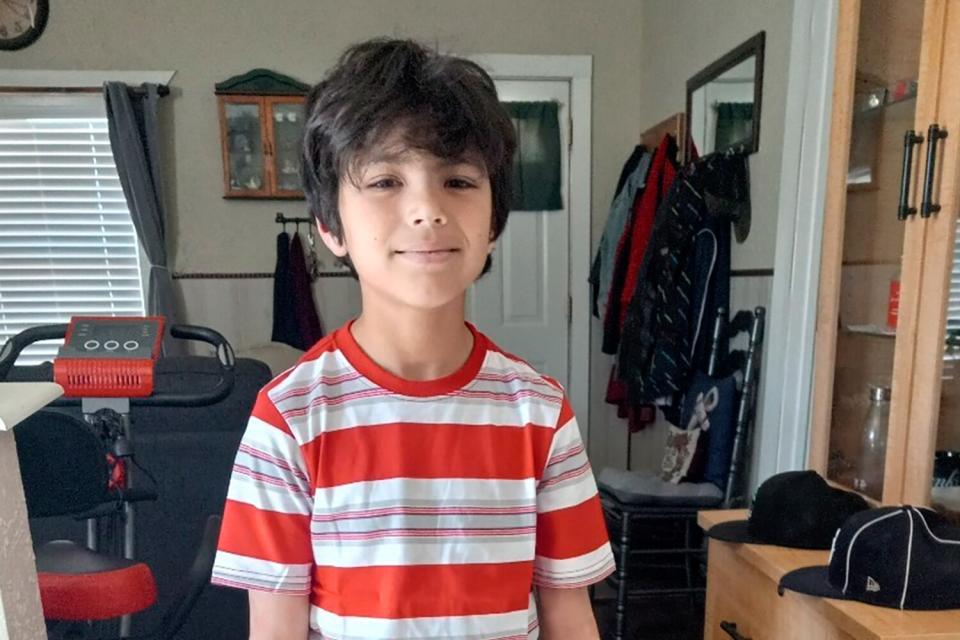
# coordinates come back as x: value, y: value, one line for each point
x: 440, y: 104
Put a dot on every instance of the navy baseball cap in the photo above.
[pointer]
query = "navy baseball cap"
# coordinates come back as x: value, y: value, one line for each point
x: 900, y: 557
x: 793, y: 509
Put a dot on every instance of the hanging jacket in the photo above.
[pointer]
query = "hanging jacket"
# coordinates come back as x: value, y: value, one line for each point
x: 670, y: 314
x: 308, y: 322
x: 285, y: 327
x: 621, y: 211
x: 633, y: 242
x: 613, y: 228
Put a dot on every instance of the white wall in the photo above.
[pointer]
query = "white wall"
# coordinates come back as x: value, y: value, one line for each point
x: 643, y: 52
x: 679, y: 38
x: 209, y: 41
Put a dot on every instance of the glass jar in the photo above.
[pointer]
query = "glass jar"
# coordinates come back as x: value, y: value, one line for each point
x: 873, y: 443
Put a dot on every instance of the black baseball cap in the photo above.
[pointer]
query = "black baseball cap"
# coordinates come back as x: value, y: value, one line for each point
x: 793, y: 509
x: 899, y: 557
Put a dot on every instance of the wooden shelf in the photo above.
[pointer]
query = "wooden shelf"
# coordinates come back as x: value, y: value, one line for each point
x: 875, y: 330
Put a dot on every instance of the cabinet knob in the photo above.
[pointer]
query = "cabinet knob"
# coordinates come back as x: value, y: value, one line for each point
x: 934, y: 135
x: 731, y: 629
x: 910, y: 138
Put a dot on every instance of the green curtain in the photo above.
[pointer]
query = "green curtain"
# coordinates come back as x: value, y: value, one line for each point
x: 734, y: 123
x: 536, y: 166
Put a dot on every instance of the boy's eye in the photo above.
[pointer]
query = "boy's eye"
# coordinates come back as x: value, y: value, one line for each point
x: 460, y: 183
x: 383, y: 183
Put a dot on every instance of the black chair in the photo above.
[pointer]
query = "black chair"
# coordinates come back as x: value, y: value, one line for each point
x: 653, y: 523
x: 65, y: 472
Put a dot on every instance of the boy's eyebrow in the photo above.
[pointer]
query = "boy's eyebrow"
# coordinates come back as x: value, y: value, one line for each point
x: 395, y: 155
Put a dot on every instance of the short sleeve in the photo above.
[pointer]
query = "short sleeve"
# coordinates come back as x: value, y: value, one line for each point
x: 265, y: 535
x: 573, y: 548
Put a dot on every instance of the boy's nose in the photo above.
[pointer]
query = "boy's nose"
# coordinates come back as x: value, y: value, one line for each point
x: 428, y: 211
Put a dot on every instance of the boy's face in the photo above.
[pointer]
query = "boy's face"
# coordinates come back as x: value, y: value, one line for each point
x: 417, y: 228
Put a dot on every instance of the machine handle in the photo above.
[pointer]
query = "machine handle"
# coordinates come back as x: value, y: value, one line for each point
x: 910, y: 138
x: 934, y: 135
x: 731, y: 629
x: 12, y: 347
x: 224, y: 353
x: 225, y: 358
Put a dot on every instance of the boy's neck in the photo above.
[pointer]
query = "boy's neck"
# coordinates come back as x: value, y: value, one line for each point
x: 415, y: 344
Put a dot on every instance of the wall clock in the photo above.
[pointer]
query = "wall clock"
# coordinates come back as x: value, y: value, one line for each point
x: 22, y: 22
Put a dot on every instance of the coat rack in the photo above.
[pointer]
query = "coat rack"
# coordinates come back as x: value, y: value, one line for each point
x: 676, y: 126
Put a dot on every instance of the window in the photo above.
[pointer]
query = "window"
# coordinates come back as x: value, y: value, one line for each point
x: 950, y: 369
x: 67, y: 242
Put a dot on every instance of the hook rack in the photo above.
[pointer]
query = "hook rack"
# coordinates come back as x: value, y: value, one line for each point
x: 284, y: 220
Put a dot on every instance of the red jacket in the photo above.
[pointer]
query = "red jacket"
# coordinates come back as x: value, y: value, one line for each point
x: 633, y: 242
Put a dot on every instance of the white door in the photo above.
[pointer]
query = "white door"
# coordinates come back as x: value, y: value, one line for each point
x: 523, y: 303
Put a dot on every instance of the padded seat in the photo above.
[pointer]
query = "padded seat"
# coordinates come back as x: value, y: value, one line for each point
x: 78, y: 584
x: 647, y: 489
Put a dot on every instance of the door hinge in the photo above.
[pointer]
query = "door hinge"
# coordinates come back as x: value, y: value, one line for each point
x: 569, y: 309
x: 569, y: 132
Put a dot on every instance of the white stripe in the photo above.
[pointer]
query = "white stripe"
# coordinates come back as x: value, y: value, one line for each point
x: 392, y: 408
x: 267, y: 497
x: 574, y: 568
x: 927, y: 527
x: 425, y: 551
x: 461, y: 492
x: 906, y: 571
x: 477, y: 627
x: 291, y: 493
x: 846, y: 580
x: 567, y: 493
x: 538, y: 401
x: 259, y: 574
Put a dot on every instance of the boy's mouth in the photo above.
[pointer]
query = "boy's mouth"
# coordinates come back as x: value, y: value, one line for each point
x: 428, y: 255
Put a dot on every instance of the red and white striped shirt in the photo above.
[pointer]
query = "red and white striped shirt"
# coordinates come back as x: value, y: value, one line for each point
x: 412, y: 509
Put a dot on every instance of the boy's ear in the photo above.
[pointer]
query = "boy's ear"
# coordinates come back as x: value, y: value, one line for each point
x: 336, y: 247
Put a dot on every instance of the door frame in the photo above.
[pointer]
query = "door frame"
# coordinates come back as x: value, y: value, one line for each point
x: 578, y: 71
x: 784, y: 437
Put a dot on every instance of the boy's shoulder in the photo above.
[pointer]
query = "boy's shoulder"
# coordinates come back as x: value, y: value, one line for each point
x: 508, y: 363
x: 325, y: 371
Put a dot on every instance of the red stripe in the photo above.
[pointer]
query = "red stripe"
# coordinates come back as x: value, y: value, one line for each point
x: 409, y: 450
x: 265, y: 535
x: 423, y: 590
x: 554, y: 530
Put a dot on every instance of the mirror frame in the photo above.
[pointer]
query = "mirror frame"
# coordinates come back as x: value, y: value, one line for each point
x: 752, y: 47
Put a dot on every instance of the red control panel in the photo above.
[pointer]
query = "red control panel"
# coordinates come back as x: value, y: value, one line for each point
x: 109, y: 357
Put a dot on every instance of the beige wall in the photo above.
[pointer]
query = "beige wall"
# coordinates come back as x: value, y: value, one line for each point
x: 208, y: 41
x: 643, y: 52
x: 678, y: 38
x: 681, y: 37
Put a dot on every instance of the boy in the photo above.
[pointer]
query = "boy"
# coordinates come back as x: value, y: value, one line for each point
x: 406, y: 478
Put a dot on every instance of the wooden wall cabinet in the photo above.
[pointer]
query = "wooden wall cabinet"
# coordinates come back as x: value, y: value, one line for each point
x: 261, y: 123
x: 895, y: 73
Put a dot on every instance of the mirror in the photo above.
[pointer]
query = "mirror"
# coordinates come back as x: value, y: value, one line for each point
x: 723, y: 101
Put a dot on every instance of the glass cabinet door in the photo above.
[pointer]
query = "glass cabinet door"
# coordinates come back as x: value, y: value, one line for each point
x: 932, y: 457
x: 874, y: 231
x: 244, y: 159
x: 287, y: 125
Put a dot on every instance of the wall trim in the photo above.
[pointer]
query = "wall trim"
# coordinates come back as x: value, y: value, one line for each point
x: 578, y: 70
x: 79, y: 79
x: 785, y: 421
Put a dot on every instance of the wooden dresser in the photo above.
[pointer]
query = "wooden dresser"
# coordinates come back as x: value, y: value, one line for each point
x: 742, y: 590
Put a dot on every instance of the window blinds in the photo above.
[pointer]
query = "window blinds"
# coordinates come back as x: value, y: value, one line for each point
x: 67, y: 242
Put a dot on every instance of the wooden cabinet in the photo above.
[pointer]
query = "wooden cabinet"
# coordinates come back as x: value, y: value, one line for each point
x: 894, y: 62
x: 261, y: 124
x: 742, y: 584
